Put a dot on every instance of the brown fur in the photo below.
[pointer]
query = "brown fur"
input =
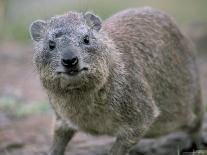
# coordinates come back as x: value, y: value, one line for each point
x: 142, y: 80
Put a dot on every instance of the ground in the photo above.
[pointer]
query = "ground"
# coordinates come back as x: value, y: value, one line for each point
x: 26, y: 118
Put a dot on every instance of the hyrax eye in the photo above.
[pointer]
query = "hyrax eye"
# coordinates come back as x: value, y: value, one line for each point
x: 86, y: 39
x: 52, y: 45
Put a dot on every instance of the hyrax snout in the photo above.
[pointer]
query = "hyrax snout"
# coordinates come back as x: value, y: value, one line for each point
x: 131, y: 76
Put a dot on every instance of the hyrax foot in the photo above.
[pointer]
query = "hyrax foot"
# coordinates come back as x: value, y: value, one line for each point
x: 192, y: 148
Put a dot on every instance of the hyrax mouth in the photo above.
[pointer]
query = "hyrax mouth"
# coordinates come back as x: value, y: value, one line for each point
x: 70, y: 72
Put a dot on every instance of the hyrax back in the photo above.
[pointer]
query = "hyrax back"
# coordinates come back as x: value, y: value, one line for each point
x: 154, y: 47
x: 133, y: 75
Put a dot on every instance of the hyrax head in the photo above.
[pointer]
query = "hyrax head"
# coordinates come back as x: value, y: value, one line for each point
x: 70, y: 52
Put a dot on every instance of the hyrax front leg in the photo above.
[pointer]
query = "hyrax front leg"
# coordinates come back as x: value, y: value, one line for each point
x: 62, y: 135
x: 132, y: 132
x: 125, y: 140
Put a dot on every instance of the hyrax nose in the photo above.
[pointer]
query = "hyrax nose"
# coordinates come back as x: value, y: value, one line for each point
x: 69, y: 60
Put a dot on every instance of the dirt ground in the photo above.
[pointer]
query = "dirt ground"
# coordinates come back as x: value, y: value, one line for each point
x: 31, y: 135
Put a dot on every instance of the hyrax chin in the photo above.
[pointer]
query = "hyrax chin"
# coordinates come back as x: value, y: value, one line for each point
x: 131, y: 76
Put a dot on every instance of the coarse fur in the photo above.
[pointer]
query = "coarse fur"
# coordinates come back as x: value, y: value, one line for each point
x: 141, y: 78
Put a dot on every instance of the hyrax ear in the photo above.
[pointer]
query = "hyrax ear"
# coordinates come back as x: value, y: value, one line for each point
x: 93, y: 21
x: 37, y: 30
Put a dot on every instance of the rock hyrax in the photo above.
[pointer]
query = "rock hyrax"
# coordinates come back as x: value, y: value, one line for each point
x: 131, y: 76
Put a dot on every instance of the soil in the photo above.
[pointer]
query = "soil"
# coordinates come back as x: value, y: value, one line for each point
x: 32, y: 135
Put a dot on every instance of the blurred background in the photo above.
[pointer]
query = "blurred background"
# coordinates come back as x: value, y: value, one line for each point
x: 25, y: 115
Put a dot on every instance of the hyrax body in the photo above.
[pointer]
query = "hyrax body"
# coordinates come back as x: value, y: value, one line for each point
x: 132, y: 76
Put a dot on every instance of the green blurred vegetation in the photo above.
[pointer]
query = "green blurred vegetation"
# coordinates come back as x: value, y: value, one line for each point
x: 15, y: 109
x: 16, y: 16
